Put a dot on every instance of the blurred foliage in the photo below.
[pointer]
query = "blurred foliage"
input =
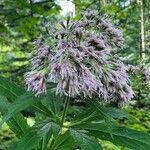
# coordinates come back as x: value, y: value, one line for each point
x: 21, y: 22
x: 6, y: 137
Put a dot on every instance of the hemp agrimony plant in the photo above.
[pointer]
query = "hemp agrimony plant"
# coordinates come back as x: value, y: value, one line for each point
x: 79, y: 60
x: 74, y: 71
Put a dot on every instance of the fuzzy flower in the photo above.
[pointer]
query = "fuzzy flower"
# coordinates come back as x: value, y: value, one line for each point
x: 115, y: 34
x: 40, y: 53
x: 35, y: 82
x: 79, y: 61
x: 89, y: 14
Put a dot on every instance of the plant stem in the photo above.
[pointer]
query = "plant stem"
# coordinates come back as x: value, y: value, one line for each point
x: 51, y: 144
x: 83, y: 120
x: 65, y: 111
x: 62, y: 121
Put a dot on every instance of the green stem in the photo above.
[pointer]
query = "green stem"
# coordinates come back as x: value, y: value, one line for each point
x: 51, y: 144
x: 65, y: 111
x: 62, y: 121
x: 83, y: 120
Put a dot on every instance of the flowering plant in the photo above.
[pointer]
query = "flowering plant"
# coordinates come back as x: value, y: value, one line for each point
x: 74, y: 61
x: 80, y: 62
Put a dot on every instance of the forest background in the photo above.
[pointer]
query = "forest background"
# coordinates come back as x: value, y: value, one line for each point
x: 21, y: 22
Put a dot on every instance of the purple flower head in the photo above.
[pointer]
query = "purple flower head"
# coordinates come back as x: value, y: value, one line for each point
x: 79, y: 60
x: 111, y: 31
x: 89, y: 14
x: 35, y: 82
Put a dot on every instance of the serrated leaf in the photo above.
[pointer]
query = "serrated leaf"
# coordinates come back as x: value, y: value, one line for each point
x: 115, y: 113
x: 28, y: 99
x: 121, y: 136
x: 85, y: 116
x: 39, y: 107
x: 3, y: 104
x: 21, y: 103
x: 45, y: 141
x: 54, y: 101
x: 91, y: 115
x: 64, y: 142
x: 33, y: 135
x: 17, y: 123
x: 50, y: 105
x: 10, y: 89
x: 95, y: 104
x: 85, y: 141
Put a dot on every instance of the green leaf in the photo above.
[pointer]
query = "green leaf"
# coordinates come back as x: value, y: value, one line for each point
x: 85, y: 141
x: 115, y: 113
x: 91, y: 115
x: 21, y: 103
x: 3, y: 104
x: 64, y: 142
x: 33, y: 135
x: 12, y: 145
x: 45, y: 141
x: 86, y: 116
x: 28, y: 99
x: 39, y: 107
x: 121, y: 136
x: 10, y: 89
x: 54, y: 102
x: 17, y: 123
x: 50, y: 105
x: 95, y: 104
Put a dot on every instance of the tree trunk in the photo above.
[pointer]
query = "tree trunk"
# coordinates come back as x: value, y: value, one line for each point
x: 142, y: 53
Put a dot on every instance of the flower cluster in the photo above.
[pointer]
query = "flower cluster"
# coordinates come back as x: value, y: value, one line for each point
x: 140, y: 69
x: 147, y: 76
x: 35, y: 82
x: 80, y: 62
x: 115, y: 35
